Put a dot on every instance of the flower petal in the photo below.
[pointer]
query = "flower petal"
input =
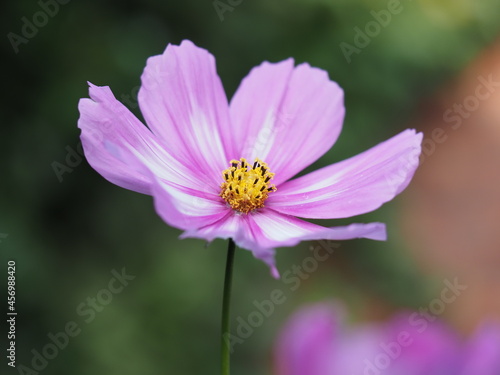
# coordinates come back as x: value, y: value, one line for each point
x: 307, y: 344
x: 108, y: 131
x: 430, y: 349
x: 183, y: 102
x: 186, y: 208
x: 354, y: 186
x: 482, y: 353
x: 278, y: 230
x: 286, y: 116
x: 122, y: 149
x: 264, y: 230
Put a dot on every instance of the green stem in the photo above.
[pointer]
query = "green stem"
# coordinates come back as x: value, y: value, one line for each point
x: 226, y: 324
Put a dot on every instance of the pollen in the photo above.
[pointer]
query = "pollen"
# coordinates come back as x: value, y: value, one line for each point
x: 245, y: 187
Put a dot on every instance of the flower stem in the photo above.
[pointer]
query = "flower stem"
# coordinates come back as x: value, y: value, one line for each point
x: 226, y: 324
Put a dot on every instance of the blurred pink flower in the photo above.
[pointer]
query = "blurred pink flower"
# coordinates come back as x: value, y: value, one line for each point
x: 316, y: 342
x: 192, y: 157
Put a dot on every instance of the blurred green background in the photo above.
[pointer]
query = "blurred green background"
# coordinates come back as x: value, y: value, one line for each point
x: 67, y: 236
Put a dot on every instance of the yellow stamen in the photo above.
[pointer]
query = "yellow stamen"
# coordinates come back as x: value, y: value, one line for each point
x: 246, y: 187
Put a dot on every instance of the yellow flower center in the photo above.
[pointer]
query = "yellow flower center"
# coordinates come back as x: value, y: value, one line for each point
x: 246, y: 188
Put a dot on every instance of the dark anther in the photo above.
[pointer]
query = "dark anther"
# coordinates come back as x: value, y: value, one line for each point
x: 267, y: 179
x: 262, y: 188
x: 256, y: 180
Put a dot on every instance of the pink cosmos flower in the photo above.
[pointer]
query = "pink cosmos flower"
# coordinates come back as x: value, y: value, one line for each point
x: 223, y: 170
x: 316, y: 341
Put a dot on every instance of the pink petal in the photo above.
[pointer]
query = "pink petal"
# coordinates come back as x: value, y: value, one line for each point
x: 122, y: 149
x: 286, y: 116
x: 263, y: 230
x: 186, y: 208
x: 307, y: 344
x: 267, y: 229
x: 354, y: 186
x: 357, y: 345
x: 183, y: 102
x: 420, y: 346
x: 482, y: 354
x: 278, y: 230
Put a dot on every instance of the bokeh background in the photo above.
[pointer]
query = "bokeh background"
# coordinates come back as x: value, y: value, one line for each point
x: 68, y: 233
